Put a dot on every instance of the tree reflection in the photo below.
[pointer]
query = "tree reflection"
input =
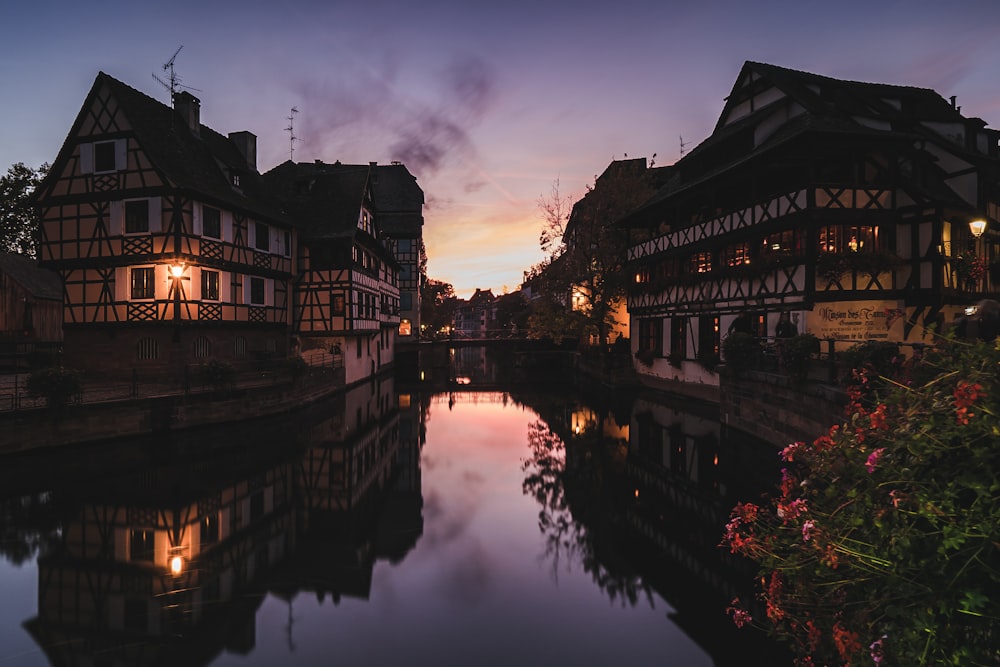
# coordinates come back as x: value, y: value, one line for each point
x: 581, y: 510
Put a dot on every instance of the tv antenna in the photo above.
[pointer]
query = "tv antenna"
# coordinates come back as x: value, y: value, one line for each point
x: 682, y: 145
x: 291, y: 133
x: 173, y: 81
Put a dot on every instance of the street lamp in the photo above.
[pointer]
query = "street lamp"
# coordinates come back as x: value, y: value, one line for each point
x: 977, y: 227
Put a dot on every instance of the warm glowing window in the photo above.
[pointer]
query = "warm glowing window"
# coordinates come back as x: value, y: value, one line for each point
x: 404, y: 327
x: 736, y: 255
x: 787, y: 242
x: 701, y: 262
x: 851, y: 238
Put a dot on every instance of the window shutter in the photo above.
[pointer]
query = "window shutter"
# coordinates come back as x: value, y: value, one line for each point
x: 193, y: 289
x: 155, y: 214
x: 196, y: 218
x: 121, y: 283
x: 269, y: 292
x: 225, y: 287
x: 116, y: 226
x: 121, y: 155
x: 87, y: 158
x: 227, y: 226
x: 161, y: 281
x: 246, y: 290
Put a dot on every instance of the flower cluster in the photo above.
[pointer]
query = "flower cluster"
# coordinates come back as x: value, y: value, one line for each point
x: 886, y: 526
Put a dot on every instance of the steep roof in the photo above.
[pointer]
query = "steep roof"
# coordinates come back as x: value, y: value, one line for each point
x: 323, y: 200
x: 41, y: 283
x: 197, y: 163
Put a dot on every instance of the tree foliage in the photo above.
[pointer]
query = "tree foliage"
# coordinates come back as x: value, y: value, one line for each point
x: 585, y: 250
x: 18, y: 221
x: 437, y: 304
x: 884, y: 544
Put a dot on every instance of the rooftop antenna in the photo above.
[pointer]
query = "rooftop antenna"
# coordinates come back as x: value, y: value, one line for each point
x: 682, y: 145
x: 173, y: 81
x: 291, y: 133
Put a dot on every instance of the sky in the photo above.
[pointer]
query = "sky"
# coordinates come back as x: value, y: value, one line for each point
x: 488, y: 105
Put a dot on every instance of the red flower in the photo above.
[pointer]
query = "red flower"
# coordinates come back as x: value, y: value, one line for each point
x: 965, y: 395
x: 846, y: 641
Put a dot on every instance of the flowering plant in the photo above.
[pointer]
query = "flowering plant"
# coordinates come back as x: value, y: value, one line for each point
x: 969, y: 267
x: 882, y: 545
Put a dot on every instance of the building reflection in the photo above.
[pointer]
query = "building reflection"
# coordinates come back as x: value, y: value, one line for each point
x: 167, y: 564
x: 638, y: 492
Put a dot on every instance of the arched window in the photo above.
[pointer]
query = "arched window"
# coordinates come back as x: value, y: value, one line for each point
x: 146, y: 349
x: 202, y: 347
x: 240, y: 351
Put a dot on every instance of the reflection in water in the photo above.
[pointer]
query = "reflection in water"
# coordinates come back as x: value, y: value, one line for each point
x: 223, y: 546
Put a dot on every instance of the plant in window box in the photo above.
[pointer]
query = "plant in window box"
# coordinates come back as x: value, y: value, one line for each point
x: 969, y: 268
x: 831, y: 267
x: 875, y: 263
x: 646, y: 357
x: 675, y: 360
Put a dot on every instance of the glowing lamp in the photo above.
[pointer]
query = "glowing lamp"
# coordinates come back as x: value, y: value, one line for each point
x: 176, y: 270
x: 977, y: 227
x: 176, y: 565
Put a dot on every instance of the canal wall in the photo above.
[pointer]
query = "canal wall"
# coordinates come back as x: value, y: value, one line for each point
x: 769, y: 406
x: 41, y: 428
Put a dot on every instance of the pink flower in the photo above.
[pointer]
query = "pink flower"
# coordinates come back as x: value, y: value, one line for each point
x: 873, y: 458
x: 740, y: 616
x: 788, y: 453
x: 807, y: 529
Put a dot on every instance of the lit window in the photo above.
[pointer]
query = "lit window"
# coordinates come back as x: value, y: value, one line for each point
x: 701, y: 262
x: 404, y: 327
x: 209, y: 285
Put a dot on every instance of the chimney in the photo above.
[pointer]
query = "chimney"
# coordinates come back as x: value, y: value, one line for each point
x: 189, y: 107
x: 246, y: 142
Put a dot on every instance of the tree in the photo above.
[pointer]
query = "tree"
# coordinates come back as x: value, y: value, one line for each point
x: 18, y: 221
x: 437, y: 305
x: 585, y: 250
x: 883, y: 545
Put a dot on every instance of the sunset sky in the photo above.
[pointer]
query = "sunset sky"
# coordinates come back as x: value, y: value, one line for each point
x: 487, y: 104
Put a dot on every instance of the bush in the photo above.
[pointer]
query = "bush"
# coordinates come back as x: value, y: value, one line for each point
x: 57, y: 385
x: 219, y: 375
x: 875, y: 358
x: 795, y: 355
x: 741, y: 352
x: 883, y: 542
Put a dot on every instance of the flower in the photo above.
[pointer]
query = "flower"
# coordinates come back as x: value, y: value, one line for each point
x: 846, y: 641
x: 740, y: 615
x: 877, y: 650
x: 807, y: 529
x: 873, y: 458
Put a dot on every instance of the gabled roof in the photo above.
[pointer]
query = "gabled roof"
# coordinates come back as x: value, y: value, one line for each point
x: 198, y: 164
x: 323, y: 200
x: 41, y: 283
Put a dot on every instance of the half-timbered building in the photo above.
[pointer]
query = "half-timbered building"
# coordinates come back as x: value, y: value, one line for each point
x: 399, y: 203
x: 347, y: 284
x: 169, y: 248
x: 843, y: 208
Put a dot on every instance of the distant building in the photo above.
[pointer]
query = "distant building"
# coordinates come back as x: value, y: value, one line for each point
x: 30, y: 302
x: 474, y: 317
x: 841, y: 207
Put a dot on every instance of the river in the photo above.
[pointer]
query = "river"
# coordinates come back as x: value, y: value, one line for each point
x: 390, y: 525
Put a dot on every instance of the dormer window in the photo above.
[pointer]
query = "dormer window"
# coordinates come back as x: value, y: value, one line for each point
x: 234, y: 178
x: 104, y: 156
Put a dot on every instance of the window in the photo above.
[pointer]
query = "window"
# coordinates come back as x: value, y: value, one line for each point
x: 338, y: 304
x: 404, y: 246
x: 146, y: 349
x: 256, y: 291
x: 209, y: 285
x: 211, y: 222
x: 678, y: 337
x: 262, y: 237
x: 210, y: 529
x: 137, y: 216
x: 651, y: 335
x: 143, y: 283
x: 701, y: 262
x: 788, y: 242
x: 104, y: 156
x: 141, y: 543
x: 852, y: 238
x: 404, y: 327
x: 406, y: 300
x: 202, y: 347
x: 736, y: 255
x: 240, y: 347
x: 286, y: 249
x: 708, y: 337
